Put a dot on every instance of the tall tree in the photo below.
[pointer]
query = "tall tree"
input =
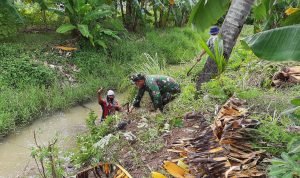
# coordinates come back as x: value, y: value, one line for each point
x: 233, y: 23
x: 231, y: 28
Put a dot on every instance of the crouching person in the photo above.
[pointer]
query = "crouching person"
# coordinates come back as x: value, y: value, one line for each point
x: 162, y: 89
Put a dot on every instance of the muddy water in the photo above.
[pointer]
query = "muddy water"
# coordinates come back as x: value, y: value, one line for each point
x: 15, y: 158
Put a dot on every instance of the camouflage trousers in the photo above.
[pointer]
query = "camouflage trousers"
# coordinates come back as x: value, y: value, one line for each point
x: 169, y: 96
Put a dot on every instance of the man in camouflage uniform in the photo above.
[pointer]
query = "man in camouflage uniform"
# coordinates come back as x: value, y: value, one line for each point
x: 162, y: 89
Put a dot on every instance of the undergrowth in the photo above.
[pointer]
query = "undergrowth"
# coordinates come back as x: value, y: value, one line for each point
x: 29, y: 87
x: 245, y: 77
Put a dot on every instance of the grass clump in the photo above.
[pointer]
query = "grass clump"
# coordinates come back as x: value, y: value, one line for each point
x: 273, y: 136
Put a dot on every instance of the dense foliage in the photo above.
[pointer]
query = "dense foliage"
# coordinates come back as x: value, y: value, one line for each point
x: 87, y: 18
x: 9, y: 19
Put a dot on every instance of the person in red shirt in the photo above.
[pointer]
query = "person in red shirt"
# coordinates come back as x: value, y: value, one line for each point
x: 109, y: 105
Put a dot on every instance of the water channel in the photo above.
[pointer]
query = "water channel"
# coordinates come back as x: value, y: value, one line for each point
x: 15, y: 150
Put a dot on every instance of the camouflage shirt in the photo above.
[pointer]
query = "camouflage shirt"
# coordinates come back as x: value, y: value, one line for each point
x: 157, y: 86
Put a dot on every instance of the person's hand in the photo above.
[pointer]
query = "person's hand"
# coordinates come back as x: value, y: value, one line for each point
x: 130, y: 109
x: 100, y: 90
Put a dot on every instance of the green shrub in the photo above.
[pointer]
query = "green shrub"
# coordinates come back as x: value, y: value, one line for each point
x: 171, y: 45
x: 249, y: 94
x: 176, y: 122
x: 151, y: 65
x: 33, y: 15
x: 10, y: 19
x: 85, y: 150
x: 23, y: 72
x: 288, y: 165
x: 274, y: 133
x: 221, y: 88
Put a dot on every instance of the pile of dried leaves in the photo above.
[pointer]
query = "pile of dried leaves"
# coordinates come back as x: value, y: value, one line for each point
x: 222, y: 149
x: 288, y: 75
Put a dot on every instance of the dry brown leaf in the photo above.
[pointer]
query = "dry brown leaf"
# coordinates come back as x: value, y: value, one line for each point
x: 65, y: 48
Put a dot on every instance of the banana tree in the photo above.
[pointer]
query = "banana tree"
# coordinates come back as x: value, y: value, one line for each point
x: 85, y: 19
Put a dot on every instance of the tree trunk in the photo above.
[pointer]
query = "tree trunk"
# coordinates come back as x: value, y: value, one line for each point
x: 184, y: 17
x: 230, y: 30
x: 168, y: 14
x: 135, y: 20
x: 129, y: 15
x: 210, y: 69
x: 122, y: 11
x: 155, y: 18
x: 233, y: 23
x: 175, y: 17
x: 44, y: 19
x: 161, y: 16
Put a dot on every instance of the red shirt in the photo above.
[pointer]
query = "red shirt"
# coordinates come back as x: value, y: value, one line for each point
x: 108, y: 108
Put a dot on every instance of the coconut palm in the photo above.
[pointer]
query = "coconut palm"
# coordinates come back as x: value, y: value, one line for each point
x: 231, y: 28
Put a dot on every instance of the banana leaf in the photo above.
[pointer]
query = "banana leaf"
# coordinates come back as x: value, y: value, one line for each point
x: 43, y: 5
x: 84, y: 30
x: 207, y: 13
x: 65, y: 28
x: 279, y: 44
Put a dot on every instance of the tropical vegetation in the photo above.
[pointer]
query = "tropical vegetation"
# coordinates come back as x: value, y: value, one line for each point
x: 56, y: 53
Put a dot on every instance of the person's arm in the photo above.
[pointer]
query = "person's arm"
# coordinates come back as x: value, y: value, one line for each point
x: 118, y: 107
x: 201, y: 55
x: 156, y: 96
x: 99, y: 92
x: 203, y: 51
x: 137, y: 99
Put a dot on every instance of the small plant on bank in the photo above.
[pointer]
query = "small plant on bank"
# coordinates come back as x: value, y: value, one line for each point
x: 47, y: 159
x: 86, y: 151
x: 288, y: 166
x: 176, y: 122
x: 216, y: 54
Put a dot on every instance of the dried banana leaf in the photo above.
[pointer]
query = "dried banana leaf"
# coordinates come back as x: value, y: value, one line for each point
x: 224, y: 148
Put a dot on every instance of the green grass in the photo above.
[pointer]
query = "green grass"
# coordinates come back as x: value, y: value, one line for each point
x: 29, y: 89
